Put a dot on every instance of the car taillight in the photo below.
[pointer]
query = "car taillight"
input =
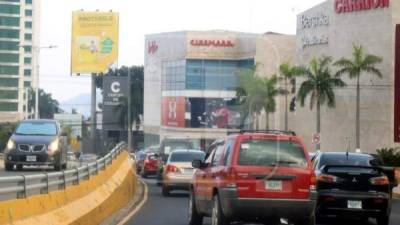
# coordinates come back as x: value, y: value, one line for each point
x: 231, y: 178
x: 172, y: 169
x: 146, y: 161
x: 383, y: 180
x: 313, y: 182
x: 328, y: 178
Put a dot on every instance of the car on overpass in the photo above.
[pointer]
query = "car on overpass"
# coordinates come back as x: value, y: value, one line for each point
x: 36, y: 143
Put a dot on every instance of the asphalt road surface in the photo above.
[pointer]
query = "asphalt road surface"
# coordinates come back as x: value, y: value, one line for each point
x: 159, y: 210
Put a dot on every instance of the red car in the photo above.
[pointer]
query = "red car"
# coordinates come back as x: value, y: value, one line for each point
x: 258, y: 177
x: 149, y: 165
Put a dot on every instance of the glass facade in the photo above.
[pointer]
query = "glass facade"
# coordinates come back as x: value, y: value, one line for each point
x: 28, y: 1
x: 9, y: 58
x: 28, y: 12
x: 9, y: 21
x: 214, y: 74
x: 8, y: 106
x: 27, y: 61
x: 173, y: 77
x: 8, y: 82
x: 9, y: 70
x: 28, y: 37
x: 27, y: 72
x: 28, y: 24
x: 7, y: 94
x: 27, y: 83
x: 6, y: 33
x: 9, y: 45
x: 9, y: 9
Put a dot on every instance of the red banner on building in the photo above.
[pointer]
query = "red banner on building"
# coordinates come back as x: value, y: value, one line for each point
x: 173, y: 111
x: 397, y: 87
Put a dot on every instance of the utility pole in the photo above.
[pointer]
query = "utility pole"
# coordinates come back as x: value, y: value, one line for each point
x: 93, y: 113
x: 129, y: 111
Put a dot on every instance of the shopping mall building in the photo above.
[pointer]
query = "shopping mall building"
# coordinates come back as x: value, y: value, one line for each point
x: 331, y: 29
x: 190, y: 80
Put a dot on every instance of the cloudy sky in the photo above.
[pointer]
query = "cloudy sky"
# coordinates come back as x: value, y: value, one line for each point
x: 141, y: 17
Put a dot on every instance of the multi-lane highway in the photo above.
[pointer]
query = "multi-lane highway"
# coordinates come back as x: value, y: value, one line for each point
x: 159, y: 210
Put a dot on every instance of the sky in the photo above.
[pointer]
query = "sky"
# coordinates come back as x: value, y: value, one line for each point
x: 141, y: 17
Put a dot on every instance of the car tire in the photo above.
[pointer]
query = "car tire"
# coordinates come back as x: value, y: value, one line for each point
x: 383, y: 220
x: 20, y: 167
x: 8, y: 166
x: 143, y: 173
x: 217, y: 216
x: 58, y: 167
x: 165, y: 191
x: 64, y: 166
x: 307, y: 221
x: 195, y: 218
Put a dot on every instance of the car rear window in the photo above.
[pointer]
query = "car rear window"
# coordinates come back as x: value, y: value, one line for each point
x: 345, y: 160
x: 186, y: 156
x: 37, y: 128
x: 271, y: 153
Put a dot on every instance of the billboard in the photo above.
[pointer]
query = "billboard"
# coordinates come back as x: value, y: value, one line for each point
x: 94, y: 44
x: 173, y: 111
x: 115, y: 92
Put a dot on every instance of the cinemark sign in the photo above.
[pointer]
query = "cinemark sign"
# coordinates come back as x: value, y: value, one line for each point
x: 214, y: 43
x: 347, y: 6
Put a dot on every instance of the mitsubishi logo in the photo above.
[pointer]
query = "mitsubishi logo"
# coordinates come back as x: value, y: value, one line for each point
x: 172, y: 110
x: 354, y: 180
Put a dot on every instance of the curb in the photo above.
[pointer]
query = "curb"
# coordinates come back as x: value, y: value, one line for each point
x: 125, y: 214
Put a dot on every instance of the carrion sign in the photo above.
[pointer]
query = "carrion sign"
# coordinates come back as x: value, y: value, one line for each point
x: 348, y: 6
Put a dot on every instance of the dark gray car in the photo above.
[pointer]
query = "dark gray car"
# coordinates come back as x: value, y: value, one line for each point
x: 36, y: 142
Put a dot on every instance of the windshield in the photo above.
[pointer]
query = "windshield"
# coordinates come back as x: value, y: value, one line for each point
x: 271, y: 153
x: 186, y: 156
x: 37, y: 128
x: 345, y: 160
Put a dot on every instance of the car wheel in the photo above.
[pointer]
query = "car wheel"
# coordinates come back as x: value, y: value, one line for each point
x: 165, y: 191
x: 217, y: 216
x: 9, y: 166
x: 20, y: 167
x: 143, y: 173
x: 57, y: 166
x: 383, y: 220
x: 64, y: 166
x: 194, y: 217
x: 307, y: 221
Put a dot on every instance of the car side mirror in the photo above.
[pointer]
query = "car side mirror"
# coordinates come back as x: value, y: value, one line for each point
x: 198, y: 164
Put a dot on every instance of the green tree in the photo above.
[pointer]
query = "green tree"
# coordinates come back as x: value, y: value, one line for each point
x: 47, y: 105
x: 319, y: 84
x: 257, y: 93
x: 288, y: 74
x: 137, y: 88
x: 354, y: 67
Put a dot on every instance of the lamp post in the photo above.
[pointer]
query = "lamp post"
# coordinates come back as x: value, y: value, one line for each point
x: 36, y: 51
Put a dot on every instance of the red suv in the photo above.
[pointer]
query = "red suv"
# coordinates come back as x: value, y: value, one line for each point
x: 251, y: 176
x: 150, y: 165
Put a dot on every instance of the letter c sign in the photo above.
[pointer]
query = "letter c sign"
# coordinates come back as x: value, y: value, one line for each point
x: 115, y: 87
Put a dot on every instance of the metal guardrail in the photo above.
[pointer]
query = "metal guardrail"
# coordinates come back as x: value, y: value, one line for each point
x: 44, y: 183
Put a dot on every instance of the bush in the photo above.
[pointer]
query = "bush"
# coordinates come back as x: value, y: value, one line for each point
x: 389, y: 156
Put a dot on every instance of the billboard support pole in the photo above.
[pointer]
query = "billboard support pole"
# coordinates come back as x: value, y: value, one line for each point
x: 129, y: 111
x: 93, y: 113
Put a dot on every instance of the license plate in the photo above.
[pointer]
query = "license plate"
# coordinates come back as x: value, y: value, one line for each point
x: 273, y: 185
x: 354, y: 204
x: 31, y: 158
x: 188, y: 171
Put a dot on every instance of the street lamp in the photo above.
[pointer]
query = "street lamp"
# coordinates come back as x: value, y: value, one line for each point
x: 36, y: 52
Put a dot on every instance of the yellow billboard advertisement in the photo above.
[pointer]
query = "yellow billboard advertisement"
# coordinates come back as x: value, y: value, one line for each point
x: 94, y: 45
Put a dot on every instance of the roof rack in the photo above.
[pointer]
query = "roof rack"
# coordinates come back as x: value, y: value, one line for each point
x: 292, y: 133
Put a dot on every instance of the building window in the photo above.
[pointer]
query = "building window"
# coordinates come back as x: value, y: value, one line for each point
x: 173, y: 75
x: 28, y: 1
x: 28, y: 37
x: 8, y: 82
x: 27, y: 61
x: 27, y: 84
x: 9, y: 70
x: 8, y: 107
x: 9, y: 45
x: 7, y: 94
x: 27, y: 72
x: 9, y: 9
x: 214, y: 74
x: 9, y: 21
x: 5, y: 33
x: 28, y: 24
x: 9, y: 58
x: 28, y: 49
x: 28, y: 12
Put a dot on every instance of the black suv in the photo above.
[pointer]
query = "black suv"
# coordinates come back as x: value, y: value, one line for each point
x: 36, y: 142
x: 353, y: 185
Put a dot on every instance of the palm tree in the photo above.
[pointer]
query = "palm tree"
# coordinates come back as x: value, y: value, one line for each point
x: 319, y: 84
x: 354, y: 68
x: 257, y: 93
x: 288, y: 73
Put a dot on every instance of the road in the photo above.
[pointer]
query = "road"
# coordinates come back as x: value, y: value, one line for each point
x: 159, y: 210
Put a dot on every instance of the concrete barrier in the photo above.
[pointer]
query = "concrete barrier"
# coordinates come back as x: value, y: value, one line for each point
x: 89, y: 202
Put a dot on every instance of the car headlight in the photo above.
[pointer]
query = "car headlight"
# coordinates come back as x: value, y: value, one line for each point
x: 53, y: 146
x: 10, y: 145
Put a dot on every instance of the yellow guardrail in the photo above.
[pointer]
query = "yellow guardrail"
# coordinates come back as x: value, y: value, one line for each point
x: 89, y: 202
